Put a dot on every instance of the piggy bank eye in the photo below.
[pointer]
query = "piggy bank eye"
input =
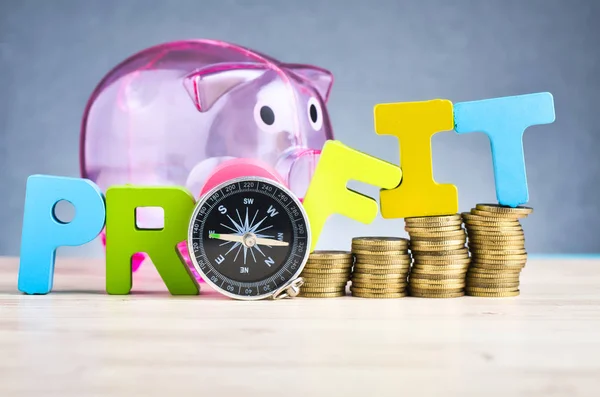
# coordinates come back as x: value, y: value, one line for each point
x: 264, y: 116
x: 315, y: 114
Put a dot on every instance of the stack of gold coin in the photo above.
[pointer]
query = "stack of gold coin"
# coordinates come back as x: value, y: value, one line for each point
x: 381, y: 267
x: 497, y: 245
x: 326, y: 274
x: 441, y: 260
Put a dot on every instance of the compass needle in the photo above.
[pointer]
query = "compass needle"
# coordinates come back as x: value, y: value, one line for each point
x: 263, y: 219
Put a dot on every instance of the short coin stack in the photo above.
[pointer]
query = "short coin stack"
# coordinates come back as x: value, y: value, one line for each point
x: 381, y: 267
x: 326, y: 274
x: 497, y: 245
x: 440, y: 257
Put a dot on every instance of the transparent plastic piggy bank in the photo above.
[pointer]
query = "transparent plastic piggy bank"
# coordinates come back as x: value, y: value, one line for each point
x: 174, y: 113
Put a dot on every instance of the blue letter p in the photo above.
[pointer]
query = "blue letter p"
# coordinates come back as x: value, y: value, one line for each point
x: 43, y: 233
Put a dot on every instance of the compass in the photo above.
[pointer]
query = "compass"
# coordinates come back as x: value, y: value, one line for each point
x: 249, y: 238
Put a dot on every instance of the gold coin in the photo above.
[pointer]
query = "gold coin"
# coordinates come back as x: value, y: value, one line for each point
x: 428, y: 243
x: 325, y: 271
x: 469, y: 224
x: 477, y: 228
x: 381, y: 256
x: 380, y: 272
x: 437, y: 235
x: 328, y: 254
x: 492, y: 282
x: 508, y: 245
x: 322, y: 295
x: 323, y: 283
x: 497, y: 248
x: 436, y: 282
x: 324, y: 266
x: 499, y: 261
x: 396, y: 286
x: 377, y: 290
x: 440, y: 268
x: 379, y: 250
x: 499, y: 256
x: 433, y: 219
x: 457, y: 252
x: 441, y: 295
x: 322, y: 289
x: 433, y: 227
x: 497, y: 252
x: 380, y: 275
x: 462, y: 237
x: 468, y: 216
x: 417, y: 270
x: 494, y: 294
x: 500, y: 209
x: 379, y: 296
x: 487, y: 214
x: 479, y: 274
x: 495, y: 284
x: 321, y: 280
x: 438, y: 229
x: 424, y: 286
x: 422, y: 258
x: 385, y: 243
x: 506, y: 273
x: 368, y: 266
x: 319, y: 261
x: 487, y: 237
x: 501, y: 268
x: 483, y: 289
x: 383, y: 260
x: 437, y: 276
x: 495, y: 233
x: 442, y: 262
x: 433, y: 248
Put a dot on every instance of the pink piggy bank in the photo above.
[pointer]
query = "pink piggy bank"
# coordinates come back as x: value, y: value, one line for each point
x: 173, y: 113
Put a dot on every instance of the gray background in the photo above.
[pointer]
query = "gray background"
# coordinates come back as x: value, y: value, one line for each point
x: 52, y: 54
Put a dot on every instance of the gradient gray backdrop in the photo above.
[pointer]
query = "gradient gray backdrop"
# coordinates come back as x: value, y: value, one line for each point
x: 52, y: 54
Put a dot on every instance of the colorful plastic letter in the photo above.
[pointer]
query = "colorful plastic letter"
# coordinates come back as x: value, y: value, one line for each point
x: 414, y: 123
x: 504, y: 121
x: 43, y: 233
x: 327, y: 193
x: 124, y: 238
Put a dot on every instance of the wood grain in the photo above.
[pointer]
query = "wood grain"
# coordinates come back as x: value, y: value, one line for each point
x: 78, y: 341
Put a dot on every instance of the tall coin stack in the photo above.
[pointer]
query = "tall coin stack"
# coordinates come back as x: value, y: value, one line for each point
x: 381, y: 267
x: 497, y: 245
x: 326, y: 274
x: 441, y: 259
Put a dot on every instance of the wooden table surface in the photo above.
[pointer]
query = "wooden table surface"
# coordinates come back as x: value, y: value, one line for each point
x: 78, y: 341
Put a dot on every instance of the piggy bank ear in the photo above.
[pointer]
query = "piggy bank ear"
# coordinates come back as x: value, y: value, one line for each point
x: 207, y: 85
x: 319, y: 78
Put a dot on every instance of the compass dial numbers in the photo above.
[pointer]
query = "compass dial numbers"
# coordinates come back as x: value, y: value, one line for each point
x: 249, y: 237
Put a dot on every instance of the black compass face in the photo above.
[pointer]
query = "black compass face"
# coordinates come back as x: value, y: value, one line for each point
x: 249, y: 237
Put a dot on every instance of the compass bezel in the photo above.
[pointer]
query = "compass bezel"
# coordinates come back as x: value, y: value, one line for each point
x: 194, y: 219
